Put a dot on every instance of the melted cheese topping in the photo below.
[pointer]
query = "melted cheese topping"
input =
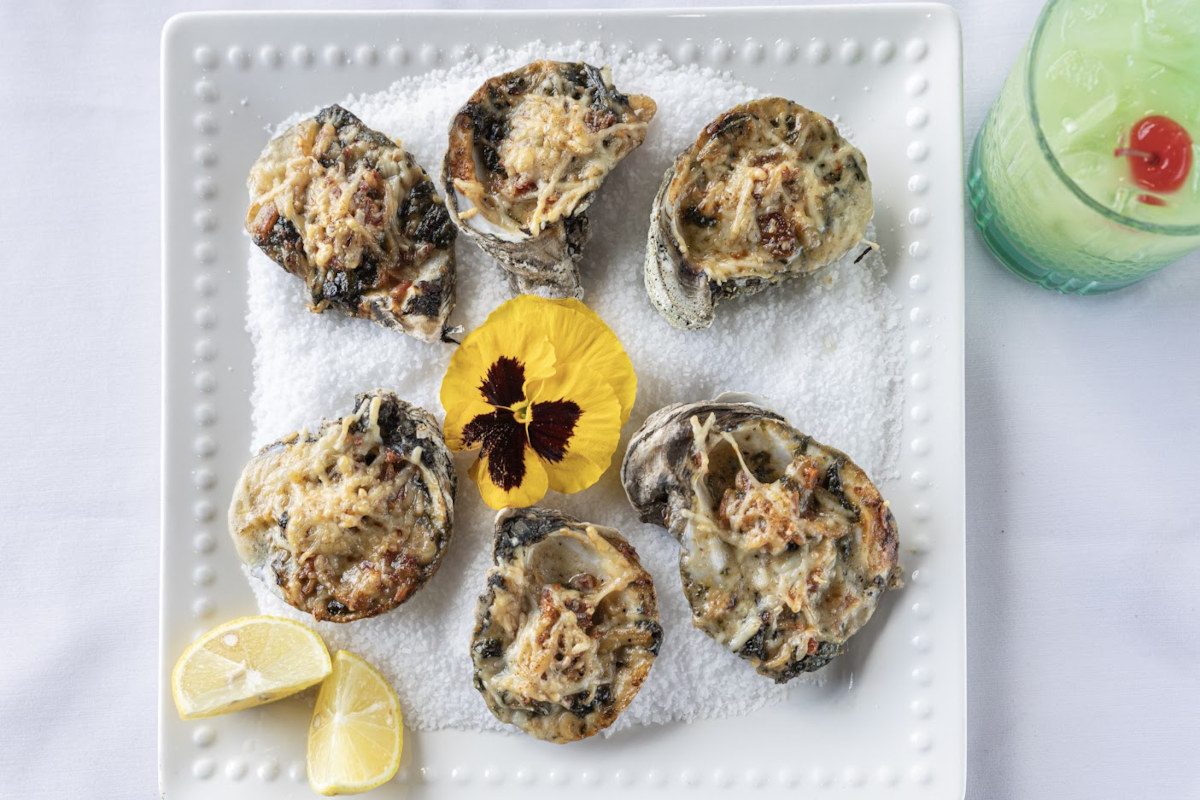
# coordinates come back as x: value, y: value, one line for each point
x: 557, y: 153
x: 555, y: 650
x: 341, y: 211
x: 768, y: 185
x: 767, y: 554
x: 341, y: 506
x: 553, y: 655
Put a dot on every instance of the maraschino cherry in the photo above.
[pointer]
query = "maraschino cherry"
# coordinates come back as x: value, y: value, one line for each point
x: 1159, y: 152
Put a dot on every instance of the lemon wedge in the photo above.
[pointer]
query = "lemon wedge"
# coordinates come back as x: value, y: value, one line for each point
x: 356, y: 734
x: 245, y: 663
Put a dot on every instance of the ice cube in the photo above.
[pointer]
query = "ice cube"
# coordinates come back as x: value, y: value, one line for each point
x: 1160, y: 86
x: 1125, y: 200
x: 1084, y: 165
x: 1169, y: 24
x: 1099, y: 24
x: 1077, y: 102
x: 1076, y: 71
x: 1097, y: 116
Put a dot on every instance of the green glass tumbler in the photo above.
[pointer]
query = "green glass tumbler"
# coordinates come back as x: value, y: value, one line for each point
x: 1084, y: 177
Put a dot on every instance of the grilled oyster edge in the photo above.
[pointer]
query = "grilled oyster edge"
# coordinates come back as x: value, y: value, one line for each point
x: 785, y: 544
x: 567, y: 628
x: 768, y: 191
x: 348, y: 211
x: 527, y: 154
x: 348, y: 522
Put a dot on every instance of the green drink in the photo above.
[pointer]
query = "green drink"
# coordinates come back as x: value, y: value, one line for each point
x: 1084, y: 177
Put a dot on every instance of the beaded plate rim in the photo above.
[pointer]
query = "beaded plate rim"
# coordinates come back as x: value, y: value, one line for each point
x: 220, y: 69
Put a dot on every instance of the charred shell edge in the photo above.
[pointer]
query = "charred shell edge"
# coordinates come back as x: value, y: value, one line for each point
x: 520, y: 528
x: 652, y: 471
x: 687, y: 299
x: 546, y: 265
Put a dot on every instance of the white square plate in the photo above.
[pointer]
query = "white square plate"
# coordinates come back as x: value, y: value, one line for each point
x: 890, y: 719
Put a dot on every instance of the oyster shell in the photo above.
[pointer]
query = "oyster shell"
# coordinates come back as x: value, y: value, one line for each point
x: 768, y: 191
x: 527, y: 154
x: 349, y: 521
x: 567, y: 630
x: 786, y: 546
x: 346, y: 210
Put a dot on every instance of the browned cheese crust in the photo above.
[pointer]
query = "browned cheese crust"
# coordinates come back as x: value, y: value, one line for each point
x: 769, y: 190
x: 348, y: 522
x: 567, y: 629
x: 345, y: 209
x: 786, y: 545
x: 527, y: 154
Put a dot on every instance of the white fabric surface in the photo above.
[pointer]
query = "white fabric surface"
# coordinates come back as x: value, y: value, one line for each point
x: 1082, y: 435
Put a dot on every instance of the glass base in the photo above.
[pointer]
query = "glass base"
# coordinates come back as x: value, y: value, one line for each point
x: 1010, y: 254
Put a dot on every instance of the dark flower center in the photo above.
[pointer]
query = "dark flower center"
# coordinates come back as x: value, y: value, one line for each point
x: 502, y: 437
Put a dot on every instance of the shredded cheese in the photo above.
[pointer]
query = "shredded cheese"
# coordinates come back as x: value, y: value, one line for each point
x: 325, y: 203
x: 758, y: 201
x: 556, y: 153
x: 328, y: 501
x: 765, y: 547
x: 552, y: 656
x: 556, y: 651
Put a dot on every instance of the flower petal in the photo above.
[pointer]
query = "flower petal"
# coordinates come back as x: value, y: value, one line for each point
x: 595, y: 434
x: 503, y: 442
x: 583, y: 337
x: 551, y: 427
x: 532, y: 489
x: 465, y: 389
x: 459, y: 416
x: 504, y: 384
x: 482, y: 348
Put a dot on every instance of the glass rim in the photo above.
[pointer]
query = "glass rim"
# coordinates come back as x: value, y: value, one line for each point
x: 1031, y: 103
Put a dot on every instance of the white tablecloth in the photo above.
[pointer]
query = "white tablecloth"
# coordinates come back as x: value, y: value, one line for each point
x: 1083, y: 454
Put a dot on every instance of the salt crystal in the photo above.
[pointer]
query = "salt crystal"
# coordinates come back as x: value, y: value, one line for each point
x: 825, y: 351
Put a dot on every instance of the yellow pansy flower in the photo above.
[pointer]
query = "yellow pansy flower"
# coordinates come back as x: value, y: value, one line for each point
x: 542, y: 388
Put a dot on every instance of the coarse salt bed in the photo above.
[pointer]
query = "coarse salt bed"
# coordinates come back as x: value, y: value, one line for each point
x: 825, y: 351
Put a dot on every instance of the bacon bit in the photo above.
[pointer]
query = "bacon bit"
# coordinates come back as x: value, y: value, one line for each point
x: 369, y: 196
x: 400, y: 290
x: 264, y: 220
x: 584, y: 582
x: 767, y: 158
x: 810, y: 473
x: 550, y: 615
x: 523, y: 188
x: 778, y: 234
x: 598, y: 120
x: 582, y: 611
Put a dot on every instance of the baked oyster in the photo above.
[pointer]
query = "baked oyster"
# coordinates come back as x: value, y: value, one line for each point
x: 346, y: 210
x: 786, y: 546
x: 567, y: 630
x: 349, y: 521
x: 768, y: 191
x: 527, y: 154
